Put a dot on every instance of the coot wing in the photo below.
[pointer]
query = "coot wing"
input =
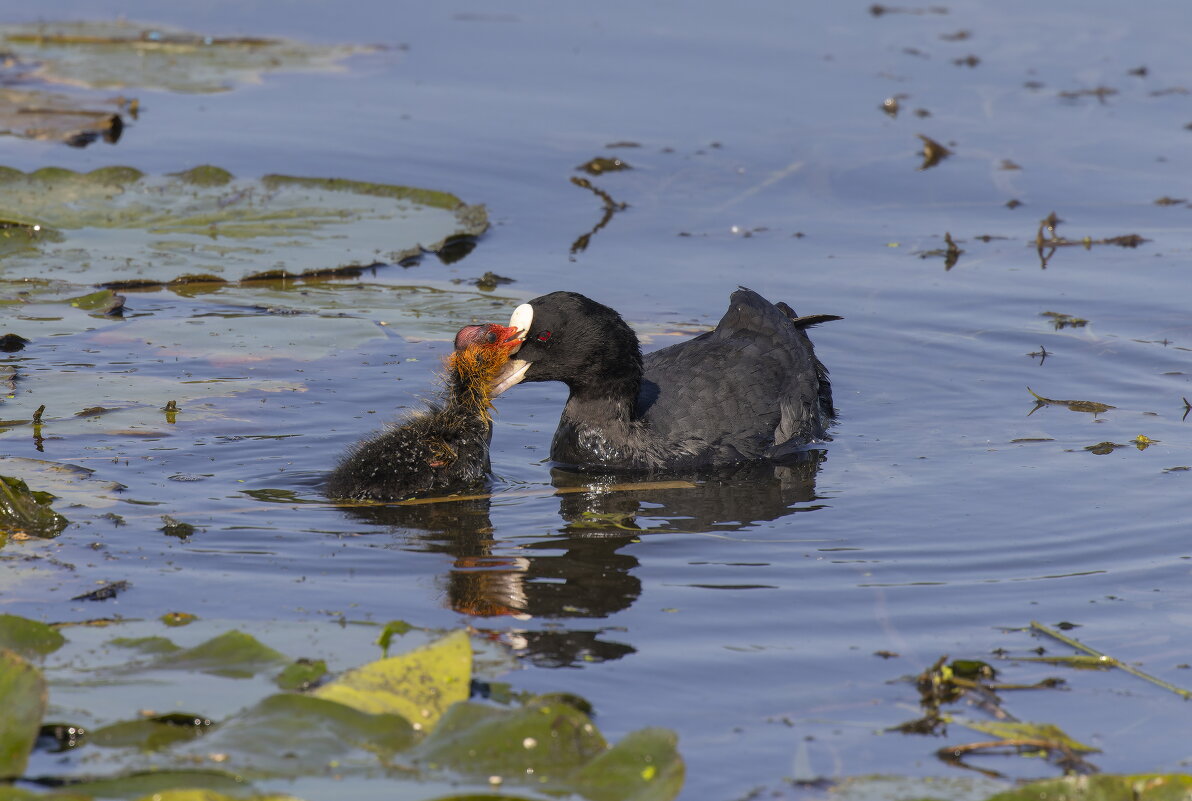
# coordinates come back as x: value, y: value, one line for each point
x: 749, y: 389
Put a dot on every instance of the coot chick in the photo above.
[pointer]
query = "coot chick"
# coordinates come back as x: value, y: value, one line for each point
x: 750, y: 389
x: 443, y: 447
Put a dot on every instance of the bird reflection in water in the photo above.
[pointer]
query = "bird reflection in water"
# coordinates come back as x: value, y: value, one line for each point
x: 583, y: 571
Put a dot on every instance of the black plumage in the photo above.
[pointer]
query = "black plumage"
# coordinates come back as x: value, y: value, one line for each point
x: 750, y: 389
x: 441, y: 448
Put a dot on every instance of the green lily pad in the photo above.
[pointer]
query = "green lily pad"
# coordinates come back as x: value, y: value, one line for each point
x: 28, y: 638
x: 419, y: 685
x: 23, y: 699
x: 27, y: 512
x: 644, y: 766
x: 57, y: 117
x: 116, y: 224
x: 146, y: 645
x: 1140, y: 787
x: 233, y: 654
x: 149, y: 734
x: 301, y: 674
x: 548, y: 740
x: 122, y: 53
x: 298, y: 735
x: 155, y: 783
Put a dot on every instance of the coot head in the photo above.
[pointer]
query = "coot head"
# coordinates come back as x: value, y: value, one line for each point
x: 571, y: 338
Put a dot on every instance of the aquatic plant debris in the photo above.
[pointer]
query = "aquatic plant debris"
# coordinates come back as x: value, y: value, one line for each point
x: 547, y: 744
x: 1107, y: 659
x: 56, y: 117
x: 115, y: 54
x: 27, y: 513
x: 117, y: 224
x: 1091, y: 407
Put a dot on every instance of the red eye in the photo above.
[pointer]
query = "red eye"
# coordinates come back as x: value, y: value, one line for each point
x: 544, y: 336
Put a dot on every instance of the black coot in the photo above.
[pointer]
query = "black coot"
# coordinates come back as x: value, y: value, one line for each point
x: 750, y: 389
x: 441, y: 448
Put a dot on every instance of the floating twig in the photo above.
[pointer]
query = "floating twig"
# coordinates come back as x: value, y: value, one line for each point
x: 1109, y: 660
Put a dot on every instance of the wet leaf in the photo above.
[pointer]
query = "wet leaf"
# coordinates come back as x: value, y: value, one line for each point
x: 233, y: 654
x: 301, y: 674
x: 146, y: 645
x: 1138, y: 787
x: 150, y: 734
x: 185, y: 784
x: 26, y: 512
x: 1091, y: 407
x: 28, y: 638
x: 175, y: 619
x: 123, y: 53
x: 1015, y: 730
x: 419, y: 685
x: 23, y: 701
x: 116, y: 224
x: 295, y: 735
x: 644, y: 766
x: 548, y: 740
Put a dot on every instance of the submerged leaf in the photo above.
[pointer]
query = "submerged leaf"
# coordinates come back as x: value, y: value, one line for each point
x: 297, y: 735
x: 121, y: 53
x: 233, y: 654
x: 118, y: 225
x: 1138, y: 787
x: 418, y: 685
x: 23, y: 701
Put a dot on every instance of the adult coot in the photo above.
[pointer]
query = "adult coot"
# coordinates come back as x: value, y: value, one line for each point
x: 750, y: 389
x: 442, y: 447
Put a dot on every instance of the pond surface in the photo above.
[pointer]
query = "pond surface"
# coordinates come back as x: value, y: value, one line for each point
x: 948, y: 511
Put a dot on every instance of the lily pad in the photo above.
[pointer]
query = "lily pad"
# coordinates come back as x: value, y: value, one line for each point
x: 27, y: 512
x: 233, y: 654
x: 76, y: 121
x: 120, y: 53
x: 28, y: 638
x: 293, y: 735
x: 1141, y: 787
x: 116, y: 224
x: 418, y: 685
x: 23, y: 699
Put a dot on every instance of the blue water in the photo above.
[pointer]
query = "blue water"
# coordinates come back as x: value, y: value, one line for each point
x: 747, y: 615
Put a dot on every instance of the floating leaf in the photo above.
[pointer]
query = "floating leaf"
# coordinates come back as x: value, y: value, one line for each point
x: 116, y: 224
x: 301, y: 674
x: 545, y: 739
x: 295, y: 735
x: 146, y: 645
x: 28, y: 638
x: 150, y: 734
x: 25, y: 512
x: 1018, y: 730
x: 233, y: 654
x: 418, y: 685
x: 1092, y: 407
x: 1139, y: 787
x: 196, y: 785
x: 122, y: 53
x: 23, y: 701
x: 644, y: 766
